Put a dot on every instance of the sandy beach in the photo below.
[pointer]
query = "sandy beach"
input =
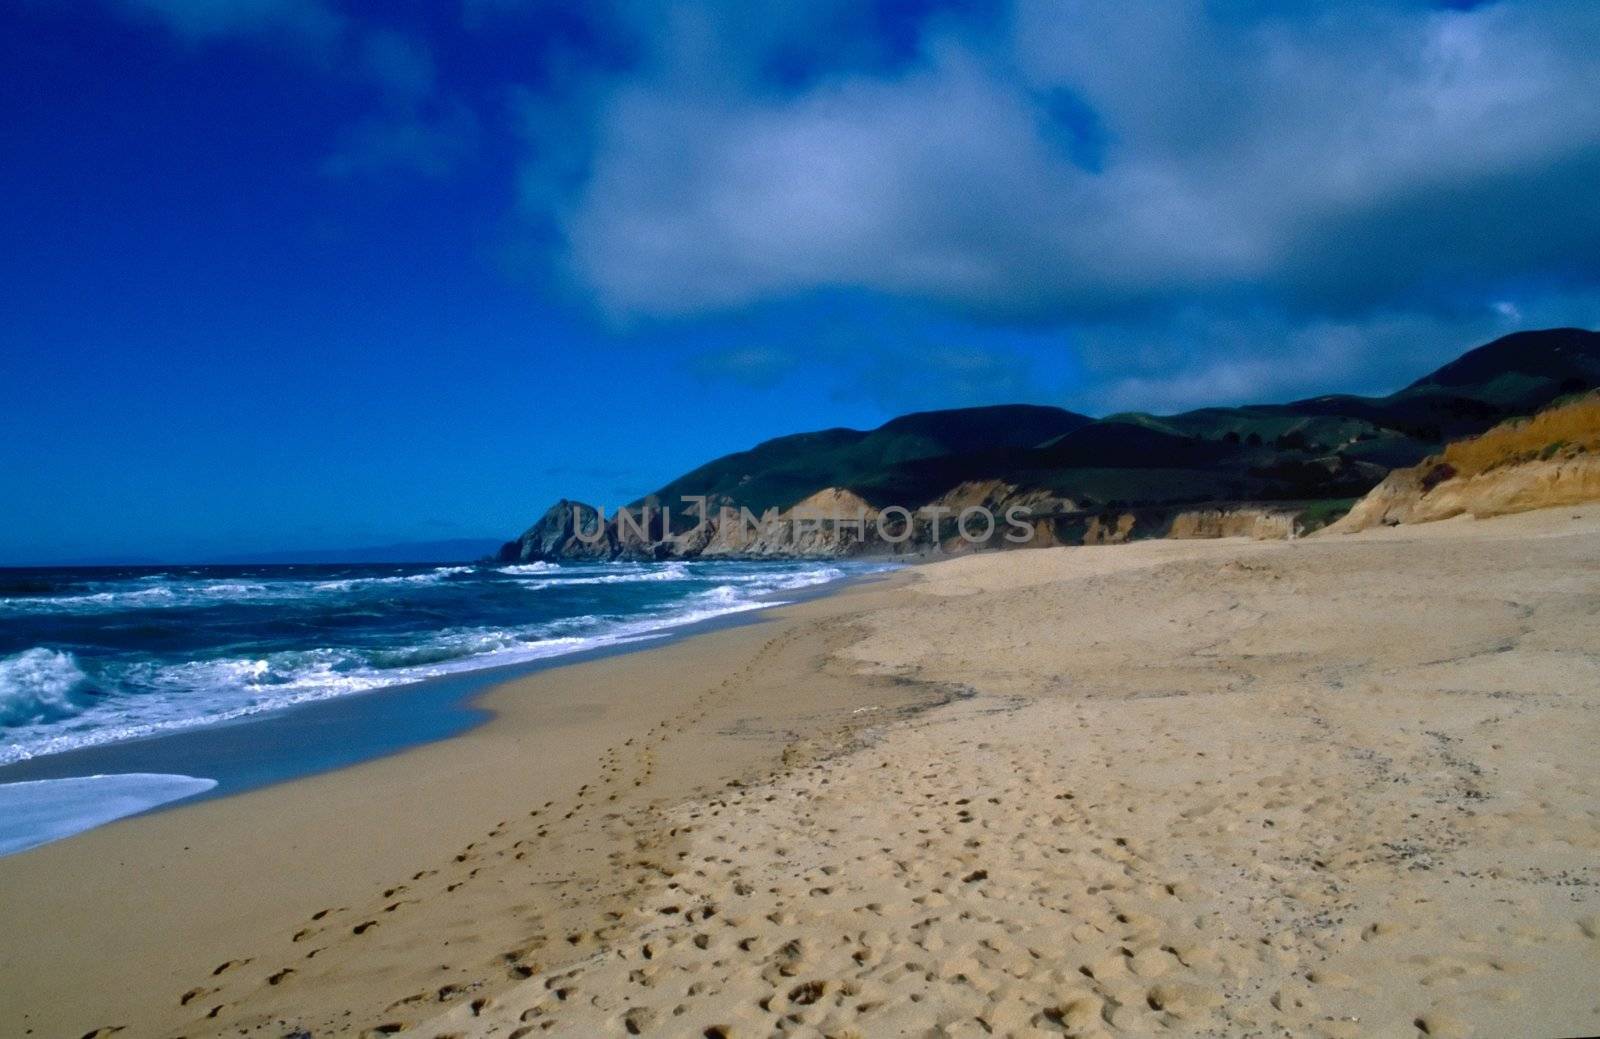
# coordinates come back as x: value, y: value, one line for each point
x: 1339, y: 786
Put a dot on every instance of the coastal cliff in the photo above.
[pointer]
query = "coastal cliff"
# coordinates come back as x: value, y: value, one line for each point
x: 1552, y: 459
x: 837, y: 524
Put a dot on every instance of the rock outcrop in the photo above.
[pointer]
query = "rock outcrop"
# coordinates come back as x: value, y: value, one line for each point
x: 555, y: 536
x: 1262, y: 524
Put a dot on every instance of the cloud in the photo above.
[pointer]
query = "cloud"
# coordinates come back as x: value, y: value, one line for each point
x: 1202, y: 357
x: 1201, y: 202
x: 397, y: 63
x: 898, y: 359
x: 430, y: 146
x: 1093, y: 157
x: 758, y: 367
x: 305, y: 23
x: 416, y: 129
x: 942, y: 376
x: 857, y: 350
x: 400, y: 63
x: 908, y: 376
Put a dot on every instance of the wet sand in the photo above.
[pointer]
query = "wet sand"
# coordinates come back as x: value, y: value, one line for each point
x: 1333, y: 787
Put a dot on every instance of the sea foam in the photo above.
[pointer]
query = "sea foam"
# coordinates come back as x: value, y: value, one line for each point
x: 40, y: 811
x: 40, y: 685
x: 210, y: 645
x: 519, y: 569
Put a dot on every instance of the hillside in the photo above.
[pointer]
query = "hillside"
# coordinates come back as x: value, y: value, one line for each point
x: 781, y: 472
x: 1319, y: 450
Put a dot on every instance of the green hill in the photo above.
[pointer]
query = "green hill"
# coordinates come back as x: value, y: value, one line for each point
x: 786, y: 470
x: 1326, y: 447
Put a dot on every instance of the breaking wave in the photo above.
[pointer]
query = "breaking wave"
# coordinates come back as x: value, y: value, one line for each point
x: 155, y: 652
x: 41, y: 685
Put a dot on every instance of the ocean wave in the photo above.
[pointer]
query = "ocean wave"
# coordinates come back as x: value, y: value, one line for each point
x: 164, y: 596
x: 349, y: 584
x: 157, y: 698
x: 41, y: 685
x: 153, y: 698
x: 528, y: 568
x: 51, y: 701
x: 669, y: 572
x: 179, y: 592
x: 802, y: 579
x: 90, y: 600
x: 230, y: 589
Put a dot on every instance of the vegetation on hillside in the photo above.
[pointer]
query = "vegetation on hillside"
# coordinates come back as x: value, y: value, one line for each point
x: 1566, y: 429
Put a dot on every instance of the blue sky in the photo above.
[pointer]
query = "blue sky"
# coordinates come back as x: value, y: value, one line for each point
x: 296, y: 273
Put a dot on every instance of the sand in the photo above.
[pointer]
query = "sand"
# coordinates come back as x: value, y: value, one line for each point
x: 1341, y: 786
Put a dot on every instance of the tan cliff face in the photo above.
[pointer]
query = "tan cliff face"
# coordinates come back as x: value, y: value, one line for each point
x: 805, y: 529
x: 1550, y: 460
x: 997, y: 496
x: 1407, y: 496
x: 1260, y: 523
x: 837, y: 523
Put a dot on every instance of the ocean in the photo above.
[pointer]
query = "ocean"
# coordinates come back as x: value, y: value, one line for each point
x: 97, y: 656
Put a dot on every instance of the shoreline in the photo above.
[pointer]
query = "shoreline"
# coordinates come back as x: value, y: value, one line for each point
x: 306, y: 739
x: 1335, y: 787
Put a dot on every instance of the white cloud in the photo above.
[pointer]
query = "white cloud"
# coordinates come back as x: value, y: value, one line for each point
x: 430, y: 145
x: 1339, y: 158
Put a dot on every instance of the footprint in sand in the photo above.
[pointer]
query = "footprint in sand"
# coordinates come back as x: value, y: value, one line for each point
x: 1442, y: 1026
